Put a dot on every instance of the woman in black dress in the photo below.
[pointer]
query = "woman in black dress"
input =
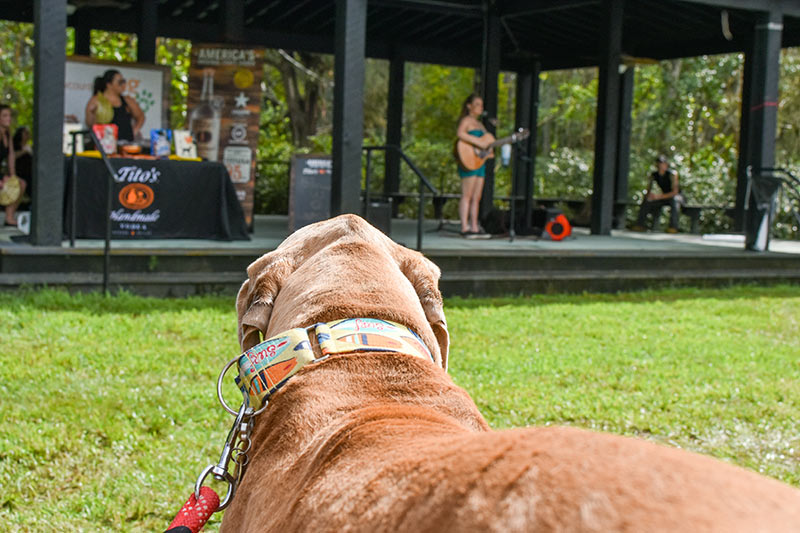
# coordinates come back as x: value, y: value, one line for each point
x: 109, y: 106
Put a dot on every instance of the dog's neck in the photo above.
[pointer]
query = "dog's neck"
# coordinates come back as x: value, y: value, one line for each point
x: 320, y: 398
x: 268, y: 366
x: 307, y: 421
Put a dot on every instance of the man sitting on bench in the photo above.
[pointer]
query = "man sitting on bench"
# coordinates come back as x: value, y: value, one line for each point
x: 667, y: 181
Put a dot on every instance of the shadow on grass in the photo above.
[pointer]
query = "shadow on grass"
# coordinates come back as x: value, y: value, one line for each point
x: 732, y: 292
x: 125, y: 302
x: 121, y: 302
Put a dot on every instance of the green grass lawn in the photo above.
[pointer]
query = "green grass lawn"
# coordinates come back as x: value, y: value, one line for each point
x: 109, y: 409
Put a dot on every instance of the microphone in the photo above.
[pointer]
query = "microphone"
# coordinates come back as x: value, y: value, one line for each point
x: 491, y: 120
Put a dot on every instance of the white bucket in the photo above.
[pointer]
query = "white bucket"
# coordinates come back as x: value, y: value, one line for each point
x: 24, y: 221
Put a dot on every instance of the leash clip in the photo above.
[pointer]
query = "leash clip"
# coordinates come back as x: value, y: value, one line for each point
x: 235, y: 450
x: 221, y: 398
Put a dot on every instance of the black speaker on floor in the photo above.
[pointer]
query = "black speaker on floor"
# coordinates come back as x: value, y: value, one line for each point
x: 380, y: 215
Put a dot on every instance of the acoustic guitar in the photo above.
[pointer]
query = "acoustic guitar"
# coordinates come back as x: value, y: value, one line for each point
x: 470, y: 157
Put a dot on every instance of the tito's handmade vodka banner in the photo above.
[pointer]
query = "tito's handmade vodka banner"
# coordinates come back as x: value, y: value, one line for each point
x: 224, y: 106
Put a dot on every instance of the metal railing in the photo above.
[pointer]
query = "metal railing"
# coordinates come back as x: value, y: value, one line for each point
x: 73, y: 200
x: 765, y: 186
x: 790, y: 186
x: 424, y: 183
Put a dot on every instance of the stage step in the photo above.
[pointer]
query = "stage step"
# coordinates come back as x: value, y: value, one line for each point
x: 493, y: 283
x: 183, y: 272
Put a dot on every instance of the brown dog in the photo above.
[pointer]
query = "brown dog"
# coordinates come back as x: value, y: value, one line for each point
x: 385, y: 442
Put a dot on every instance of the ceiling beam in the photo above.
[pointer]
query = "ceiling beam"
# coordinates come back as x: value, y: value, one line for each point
x: 512, y: 8
x: 692, y: 49
x: 787, y: 7
x: 456, y: 56
x: 15, y: 12
x: 473, y: 9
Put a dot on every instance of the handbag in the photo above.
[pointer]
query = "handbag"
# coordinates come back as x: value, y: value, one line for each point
x: 11, y: 191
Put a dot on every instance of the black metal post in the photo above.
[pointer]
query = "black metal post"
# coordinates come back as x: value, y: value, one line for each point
x: 512, y: 203
x: 610, y: 53
x: 73, y: 188
x: 233, y: 20
x: 623, y: 146
x: 348, y: 105
x: 764, y: 109
x: 367, y: 180
x: 109, y: 188
x: 527, y: 107
x: 420, y: 214
x: 519, y: 165
x: 148, y: 23
x: 49, y: 35
x: 83, y: 37
x: 530, y: 146
x: 745, y: 141
x: 490, y: 70
x: 394, y: 127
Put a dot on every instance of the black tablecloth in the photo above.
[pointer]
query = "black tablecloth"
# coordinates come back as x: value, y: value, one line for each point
x: 156, y: 199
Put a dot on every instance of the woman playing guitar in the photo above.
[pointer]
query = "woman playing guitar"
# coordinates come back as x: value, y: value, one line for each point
x: 471, y: 130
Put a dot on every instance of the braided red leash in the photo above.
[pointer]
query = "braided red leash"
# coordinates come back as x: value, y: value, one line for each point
x: 195, y: 513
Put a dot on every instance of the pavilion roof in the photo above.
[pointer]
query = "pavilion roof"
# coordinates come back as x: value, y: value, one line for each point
x: 559, y: 33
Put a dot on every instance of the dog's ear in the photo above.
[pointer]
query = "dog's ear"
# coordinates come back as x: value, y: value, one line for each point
x: 253, y: 317
x: 256, y: 296
x: 435, y: 316
x: 424, y: 276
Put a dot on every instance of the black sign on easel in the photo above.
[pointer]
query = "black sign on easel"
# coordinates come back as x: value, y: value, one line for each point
x: 309, y: 190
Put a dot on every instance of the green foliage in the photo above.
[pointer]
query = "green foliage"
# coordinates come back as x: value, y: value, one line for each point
x: 788, y: 141
x: 432, y: 101
x: 112, y: 46
x: 565, y: 173
x: 567, y: 109
x: 110, y: 411
x: 16, y: 69
x: 275, y: 153
x: 176, y: 54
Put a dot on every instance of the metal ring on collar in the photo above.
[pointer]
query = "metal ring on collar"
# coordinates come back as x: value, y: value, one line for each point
x: 219, y: 390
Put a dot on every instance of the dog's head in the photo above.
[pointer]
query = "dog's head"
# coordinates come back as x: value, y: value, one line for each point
x: 342, y: 268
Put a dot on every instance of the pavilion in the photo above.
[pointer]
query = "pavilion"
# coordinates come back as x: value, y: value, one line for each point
x: 523, y: 36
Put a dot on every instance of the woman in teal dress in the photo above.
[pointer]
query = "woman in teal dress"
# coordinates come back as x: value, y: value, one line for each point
x: 471, y: 130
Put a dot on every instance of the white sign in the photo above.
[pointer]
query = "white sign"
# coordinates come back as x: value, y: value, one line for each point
x: 237, y: 160
x: 67, y: 138
x: 145, y: 84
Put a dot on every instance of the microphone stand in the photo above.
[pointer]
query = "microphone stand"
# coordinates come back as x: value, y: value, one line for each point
x: 513, y: 207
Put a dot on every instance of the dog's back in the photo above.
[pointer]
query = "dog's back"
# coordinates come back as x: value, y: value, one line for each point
x: 377, y: 443
x: 386, y: 442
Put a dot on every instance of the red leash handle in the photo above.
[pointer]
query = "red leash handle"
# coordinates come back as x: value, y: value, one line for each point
x: 195, y: 513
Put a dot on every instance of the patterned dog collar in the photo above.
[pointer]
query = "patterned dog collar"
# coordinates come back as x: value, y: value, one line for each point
x: 266, y: 367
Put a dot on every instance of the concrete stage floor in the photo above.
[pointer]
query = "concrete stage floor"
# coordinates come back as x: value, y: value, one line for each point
x: 270, y: 230
x: 623, y: 260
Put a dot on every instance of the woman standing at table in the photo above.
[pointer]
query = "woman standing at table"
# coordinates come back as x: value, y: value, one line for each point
x: 11, y: 186
x: 109, y: 106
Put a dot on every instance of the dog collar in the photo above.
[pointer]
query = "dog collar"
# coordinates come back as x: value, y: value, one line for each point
x: 266, y: 367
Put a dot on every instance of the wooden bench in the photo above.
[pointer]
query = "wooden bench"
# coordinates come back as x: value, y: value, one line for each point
x: 575, y: 204
x: 693, y: 211
x: 439, y: 200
